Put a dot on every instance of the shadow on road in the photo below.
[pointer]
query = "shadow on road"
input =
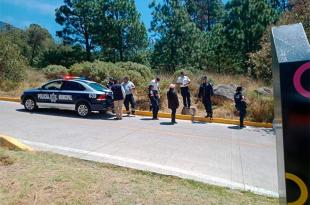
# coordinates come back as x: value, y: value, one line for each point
x: 236, y: 127
x: 166, y: 123
x: 198, y: 123
x: 147, y: 119
x: 69, y: 114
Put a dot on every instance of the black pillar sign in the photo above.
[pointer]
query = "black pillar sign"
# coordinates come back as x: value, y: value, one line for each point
x: 291, y: 73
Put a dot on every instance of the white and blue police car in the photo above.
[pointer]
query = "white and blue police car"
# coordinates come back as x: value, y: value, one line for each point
x: 70, y: 93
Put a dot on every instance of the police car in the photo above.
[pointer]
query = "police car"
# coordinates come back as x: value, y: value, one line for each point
x: 70, y: 93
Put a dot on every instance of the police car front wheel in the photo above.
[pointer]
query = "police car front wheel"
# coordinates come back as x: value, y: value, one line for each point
x: 83, y: 109
x: 30, y: 104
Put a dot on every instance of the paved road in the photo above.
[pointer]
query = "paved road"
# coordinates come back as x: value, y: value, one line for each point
x: 213, y: 153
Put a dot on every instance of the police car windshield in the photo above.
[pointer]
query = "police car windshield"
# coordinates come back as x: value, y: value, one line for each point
x: 97, y: 86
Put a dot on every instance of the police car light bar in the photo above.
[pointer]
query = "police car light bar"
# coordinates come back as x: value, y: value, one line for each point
x: 70, y: 77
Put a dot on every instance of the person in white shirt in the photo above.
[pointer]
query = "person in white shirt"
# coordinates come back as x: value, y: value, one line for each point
x: 156, y: 89
x: 155, y: 84
x: 184, y: 82
x: 129, y: 88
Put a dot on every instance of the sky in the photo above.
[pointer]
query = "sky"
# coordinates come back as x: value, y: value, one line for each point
x: 22, y: 13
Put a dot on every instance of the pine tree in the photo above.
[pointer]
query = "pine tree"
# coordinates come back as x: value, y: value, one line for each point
x: 205, y: 13
x: 77, y: 18
x: 178, y: 40
x: 245, y: 22
x: 120, y: 32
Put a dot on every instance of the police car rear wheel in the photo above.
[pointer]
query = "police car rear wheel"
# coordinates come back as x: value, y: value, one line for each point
x: 30, y: 104
x: 83, y: 110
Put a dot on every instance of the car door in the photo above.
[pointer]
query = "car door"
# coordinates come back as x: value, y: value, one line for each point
x: 48, y: 95
x: 69, y: 94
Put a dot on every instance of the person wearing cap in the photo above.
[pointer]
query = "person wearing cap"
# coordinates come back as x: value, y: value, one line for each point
x: 119, y: 96
x: 129, y: 88
x: 205, y: 93
x: 173, y: 102
x: 184, y: 82
x: 153, y: 95
x: 240, y: 104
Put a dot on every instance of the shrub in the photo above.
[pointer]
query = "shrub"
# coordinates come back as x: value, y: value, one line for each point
x: 144, y: 71
x: 99, y: 71
x: 261, y: 109
x: 54, y: 71
x: 12, y: 63
x: 96, y: 71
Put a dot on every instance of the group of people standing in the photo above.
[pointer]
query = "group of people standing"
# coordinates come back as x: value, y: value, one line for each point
x: 124, y: 94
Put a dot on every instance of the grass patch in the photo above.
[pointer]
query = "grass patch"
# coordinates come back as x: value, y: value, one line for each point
x: 46, y: 178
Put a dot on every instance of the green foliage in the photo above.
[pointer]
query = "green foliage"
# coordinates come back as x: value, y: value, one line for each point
x: 244, y: 24
x: 261, y: 60
x: 120, y: 32
x: 39, y: 40
x: 205, y: 14
x: 188, y: 72
x: 54, y: 71
x: 18, y: 37
x: 99, y: 71
x: 32, y: 42
x: 180, y: 41
x: 62, y: 55
x: 78, y: 19
x: 96, y: 71
x: 12, y: 63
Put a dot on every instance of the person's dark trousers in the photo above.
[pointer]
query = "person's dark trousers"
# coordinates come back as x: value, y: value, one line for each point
x: 155, y: 108
x: 186, y: 96
x: 130, y: 100
x: 173, y: 112
x: 208, y: 107
x: 242, y: 115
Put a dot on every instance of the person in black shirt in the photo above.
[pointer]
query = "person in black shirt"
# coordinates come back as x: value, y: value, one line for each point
x: 110, y: 83
x: 205, y: 93
x: 153, y: 95
x: 240, y: 105
x: 119, y: 96
x: 173, y: 102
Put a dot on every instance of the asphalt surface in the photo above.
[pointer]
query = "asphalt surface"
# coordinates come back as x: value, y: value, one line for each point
x: 213, y: 153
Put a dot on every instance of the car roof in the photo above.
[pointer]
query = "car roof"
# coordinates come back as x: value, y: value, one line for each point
x: 73, y: 80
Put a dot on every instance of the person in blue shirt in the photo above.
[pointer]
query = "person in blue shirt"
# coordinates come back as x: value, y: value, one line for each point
x: 205, y: 93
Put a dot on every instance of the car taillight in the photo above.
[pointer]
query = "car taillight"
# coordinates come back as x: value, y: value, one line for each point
x: 102, y: 97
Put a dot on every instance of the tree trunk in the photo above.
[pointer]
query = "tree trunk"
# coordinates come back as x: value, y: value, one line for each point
x: 87, y: 46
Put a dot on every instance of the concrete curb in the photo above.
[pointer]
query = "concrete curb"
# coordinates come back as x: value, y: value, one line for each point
x: 13, y: 144
x: 183, y: 117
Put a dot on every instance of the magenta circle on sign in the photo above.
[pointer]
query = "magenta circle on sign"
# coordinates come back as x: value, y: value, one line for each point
x: 297, y: 80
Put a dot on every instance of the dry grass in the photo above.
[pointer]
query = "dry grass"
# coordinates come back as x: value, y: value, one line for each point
x: 33, y: 79
x: 260, y: 109
x: 45, y: 178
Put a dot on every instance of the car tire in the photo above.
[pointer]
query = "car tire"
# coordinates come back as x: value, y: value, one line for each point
x: 30, y: 104
x: 83, y: 109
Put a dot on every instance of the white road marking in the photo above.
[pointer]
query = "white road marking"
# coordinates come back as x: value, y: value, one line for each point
x: 153, y: 167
